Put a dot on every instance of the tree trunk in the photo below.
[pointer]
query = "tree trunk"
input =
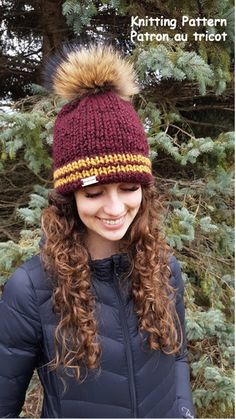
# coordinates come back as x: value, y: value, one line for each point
x: 54, y: 28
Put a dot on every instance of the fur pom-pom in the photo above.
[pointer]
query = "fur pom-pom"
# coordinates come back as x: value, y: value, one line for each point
x: 78, y: 72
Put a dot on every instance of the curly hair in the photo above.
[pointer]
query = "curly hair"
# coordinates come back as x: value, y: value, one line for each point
x: 66, y: 260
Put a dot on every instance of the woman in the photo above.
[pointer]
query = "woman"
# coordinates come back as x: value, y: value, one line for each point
x: 99, y: 312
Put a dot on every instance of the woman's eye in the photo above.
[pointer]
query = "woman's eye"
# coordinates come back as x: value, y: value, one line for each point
x: 134, y: 188
x: 94, y: 195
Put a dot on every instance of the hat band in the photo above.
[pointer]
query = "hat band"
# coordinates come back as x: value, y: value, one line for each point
x: 101, y: 166
x: 98, y: 161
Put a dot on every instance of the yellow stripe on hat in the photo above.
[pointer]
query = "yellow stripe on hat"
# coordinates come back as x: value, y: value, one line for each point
x: 127, y: 168
x: 92, y: 162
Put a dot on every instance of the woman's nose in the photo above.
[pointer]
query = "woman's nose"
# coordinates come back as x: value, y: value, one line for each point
x: 114, y: 206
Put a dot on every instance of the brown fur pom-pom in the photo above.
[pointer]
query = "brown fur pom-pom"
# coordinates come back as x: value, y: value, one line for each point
x: 85, y: 71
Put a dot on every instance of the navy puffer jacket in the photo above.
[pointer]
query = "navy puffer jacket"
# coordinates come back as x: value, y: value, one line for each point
x: 133, y: 382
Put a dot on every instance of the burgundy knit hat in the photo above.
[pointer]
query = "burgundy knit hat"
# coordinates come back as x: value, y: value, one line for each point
x: 98, y: 136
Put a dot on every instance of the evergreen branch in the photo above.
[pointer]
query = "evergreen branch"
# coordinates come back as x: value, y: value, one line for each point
x: 228, y: 93
x: 13, y: 168
x: 200, y: 8
x: 194, y: 183
x: 6, y: 233
x: 202, y: 107
x: 24, y: 55
x: 9, y: 204
x: 221, y: 260
x: 48, y: 182
x: 198, y: 207
x: 16, y: 70
x: 205, y: 124
x: 182, y: 130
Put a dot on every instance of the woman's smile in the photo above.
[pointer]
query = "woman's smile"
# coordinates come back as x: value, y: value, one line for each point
x: 113, y: 224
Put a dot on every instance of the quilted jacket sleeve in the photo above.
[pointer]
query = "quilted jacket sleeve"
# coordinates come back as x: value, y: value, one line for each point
x: 184, y: 394
x: 20, y: 335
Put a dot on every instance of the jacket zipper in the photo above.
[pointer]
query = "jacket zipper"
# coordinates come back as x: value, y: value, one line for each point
x: 127, y: 345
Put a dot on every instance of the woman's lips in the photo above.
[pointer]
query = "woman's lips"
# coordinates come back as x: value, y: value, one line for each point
x: 112, y: 224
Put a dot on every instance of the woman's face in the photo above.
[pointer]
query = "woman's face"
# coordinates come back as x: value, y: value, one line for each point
x: 108, y: 210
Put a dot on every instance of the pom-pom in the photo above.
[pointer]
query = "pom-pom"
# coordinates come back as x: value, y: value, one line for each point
x: 78, y: 72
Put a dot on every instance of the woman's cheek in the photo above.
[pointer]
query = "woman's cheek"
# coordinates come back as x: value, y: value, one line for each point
x: 88, y: 207
x: 135, y: 200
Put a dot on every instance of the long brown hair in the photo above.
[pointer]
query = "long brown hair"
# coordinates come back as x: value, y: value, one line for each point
x: 66, y: 260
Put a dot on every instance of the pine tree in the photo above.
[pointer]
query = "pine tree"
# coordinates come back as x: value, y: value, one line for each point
x: 186, y: 108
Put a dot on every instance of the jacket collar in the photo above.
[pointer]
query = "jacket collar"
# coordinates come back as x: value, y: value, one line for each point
x: 105, y: 269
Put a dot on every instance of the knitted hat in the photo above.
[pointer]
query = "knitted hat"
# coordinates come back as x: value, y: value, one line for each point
x: 98, y: 136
